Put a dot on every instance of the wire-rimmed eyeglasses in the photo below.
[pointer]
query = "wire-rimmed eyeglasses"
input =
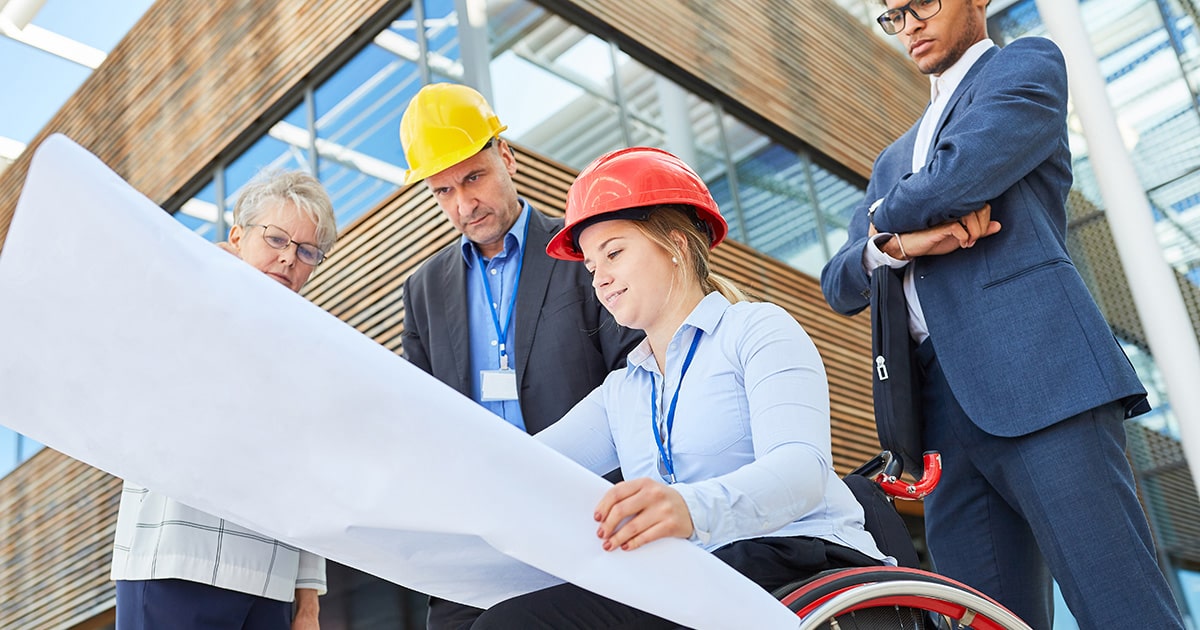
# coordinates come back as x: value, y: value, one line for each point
x: 892, y: 20
x: 277, y: 238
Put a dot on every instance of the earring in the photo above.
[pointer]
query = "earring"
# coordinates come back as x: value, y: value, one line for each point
x: 674, y: 261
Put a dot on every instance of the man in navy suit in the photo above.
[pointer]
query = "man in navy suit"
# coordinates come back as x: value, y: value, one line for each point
x: 1024, y: 386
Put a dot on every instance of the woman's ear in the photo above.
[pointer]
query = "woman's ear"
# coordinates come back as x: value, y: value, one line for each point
x: 681, y: 244
x: 235, y: 237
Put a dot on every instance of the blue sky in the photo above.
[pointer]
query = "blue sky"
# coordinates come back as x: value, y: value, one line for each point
x: 36, y: 83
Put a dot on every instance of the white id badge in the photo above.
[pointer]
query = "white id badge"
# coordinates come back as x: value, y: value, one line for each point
x: 497, y: 385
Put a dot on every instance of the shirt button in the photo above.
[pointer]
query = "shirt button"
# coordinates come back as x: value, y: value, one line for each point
x: 493, y: 342
x: 493, y: 272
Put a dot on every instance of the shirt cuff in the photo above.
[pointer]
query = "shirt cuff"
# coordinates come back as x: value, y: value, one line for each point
x: 874, y: 257
x: 701, y: 533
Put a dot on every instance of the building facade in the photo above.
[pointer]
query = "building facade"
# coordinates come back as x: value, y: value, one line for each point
x: 781, y: 107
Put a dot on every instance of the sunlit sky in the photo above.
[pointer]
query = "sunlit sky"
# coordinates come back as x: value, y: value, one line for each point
x: 37, y: 83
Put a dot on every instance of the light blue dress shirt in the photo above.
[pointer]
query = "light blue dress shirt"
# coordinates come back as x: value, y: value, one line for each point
x: 501, y: 272
x: 751, y: 437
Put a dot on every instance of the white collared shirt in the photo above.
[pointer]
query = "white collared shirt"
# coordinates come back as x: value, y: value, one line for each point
x: 751, y: 439
x: 941, y: 88
x: 158, y: 537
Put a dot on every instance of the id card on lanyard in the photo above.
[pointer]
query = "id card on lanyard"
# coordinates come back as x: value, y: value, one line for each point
x: 501, y: 384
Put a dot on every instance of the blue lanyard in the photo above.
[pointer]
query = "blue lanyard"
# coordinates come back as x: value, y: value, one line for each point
x: 502, y: 331
x: 664, y: 447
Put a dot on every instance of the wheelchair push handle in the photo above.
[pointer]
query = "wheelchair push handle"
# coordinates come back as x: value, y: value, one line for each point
x: 930, y: 477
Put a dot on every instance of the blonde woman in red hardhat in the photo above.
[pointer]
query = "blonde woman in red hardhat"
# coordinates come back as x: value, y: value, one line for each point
x: 719, y: 422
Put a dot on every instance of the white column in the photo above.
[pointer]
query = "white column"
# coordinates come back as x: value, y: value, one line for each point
x: 473, y: 46
x: 1155, y: 292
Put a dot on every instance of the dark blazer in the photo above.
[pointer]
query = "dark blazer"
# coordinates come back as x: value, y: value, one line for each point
x: 566, y: 342
x: 1020, y: 340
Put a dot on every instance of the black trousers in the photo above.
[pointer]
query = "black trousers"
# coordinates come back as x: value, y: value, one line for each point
x: 770, y: 562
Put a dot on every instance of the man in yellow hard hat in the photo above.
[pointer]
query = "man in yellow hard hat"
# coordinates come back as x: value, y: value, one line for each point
x: 461, y: 321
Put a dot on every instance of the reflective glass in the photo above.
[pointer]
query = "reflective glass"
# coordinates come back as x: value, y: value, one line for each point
x: 8, y: 451
x: 778, y: 209
x: 836, y: 200
x: 358, y: 110
x: 284, y: 147
x: 15, y: 449
x: 552, y: 84
x: 1149, y: 53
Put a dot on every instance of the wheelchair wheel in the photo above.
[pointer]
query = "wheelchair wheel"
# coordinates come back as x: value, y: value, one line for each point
x: 892, y: 598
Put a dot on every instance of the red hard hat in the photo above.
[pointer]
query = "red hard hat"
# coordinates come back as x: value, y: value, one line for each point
x: 634, y: 178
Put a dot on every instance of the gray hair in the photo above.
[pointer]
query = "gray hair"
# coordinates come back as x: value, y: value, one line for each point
x: 301, y: 189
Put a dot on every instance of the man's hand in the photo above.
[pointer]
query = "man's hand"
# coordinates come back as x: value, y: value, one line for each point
x: 654, y: 510
x: 307, y: 610
x: 979, y: 224
x: 944, y: 238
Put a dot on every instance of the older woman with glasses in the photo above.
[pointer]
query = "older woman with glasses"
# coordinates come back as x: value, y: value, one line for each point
x: 179, y: 568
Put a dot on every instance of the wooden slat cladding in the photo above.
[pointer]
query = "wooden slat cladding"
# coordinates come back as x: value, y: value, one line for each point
x: 805, y: 66
x: 56, y: 526
x: 188, y: 80
x: 362, y: 282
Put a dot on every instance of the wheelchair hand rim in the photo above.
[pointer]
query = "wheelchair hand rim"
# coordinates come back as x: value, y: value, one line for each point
x: 863, y: 594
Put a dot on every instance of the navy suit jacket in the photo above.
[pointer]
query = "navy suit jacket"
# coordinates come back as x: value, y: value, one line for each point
x: 566, y: 342
x: 1020, y: 340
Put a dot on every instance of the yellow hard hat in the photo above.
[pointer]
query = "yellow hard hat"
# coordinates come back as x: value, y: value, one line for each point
x: 445, y: 123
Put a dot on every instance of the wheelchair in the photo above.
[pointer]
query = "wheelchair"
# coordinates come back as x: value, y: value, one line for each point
x: 892, y: 598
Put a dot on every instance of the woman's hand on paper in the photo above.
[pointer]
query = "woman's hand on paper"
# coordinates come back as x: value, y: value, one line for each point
x: 633, y: 513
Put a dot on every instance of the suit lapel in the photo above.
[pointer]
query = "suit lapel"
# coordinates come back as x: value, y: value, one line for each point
x: 906, y: 143
x: 958, y: 93
x: 454, y: 275
x: 531, y: 295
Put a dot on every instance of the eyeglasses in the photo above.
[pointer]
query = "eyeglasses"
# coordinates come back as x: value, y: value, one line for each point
x: 276, y: 238
x: 892, y: 20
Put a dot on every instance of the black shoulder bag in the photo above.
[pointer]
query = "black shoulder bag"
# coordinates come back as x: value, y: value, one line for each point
x: 896, y: 386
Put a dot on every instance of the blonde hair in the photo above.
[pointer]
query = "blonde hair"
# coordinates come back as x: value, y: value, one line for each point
x: 661, y: 221
x: 304, y: 192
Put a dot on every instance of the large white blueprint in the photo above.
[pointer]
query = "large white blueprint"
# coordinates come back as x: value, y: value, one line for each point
x: 132, y: 344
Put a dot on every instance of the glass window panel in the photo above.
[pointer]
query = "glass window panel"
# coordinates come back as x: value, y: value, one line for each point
x: 27, y: 447
x: 358, y: 121
x: 1189, y: 583
x: 1160, y: 418
x: 200, y: 214
x: 1148, y: 83
x: 777, y: 209
x: 284, y: 147
x: 15, y: 449
x: 442, y: 38
x: 662, y: 113
x: 552, y: 84
x: 836, y: 200
x: 8, y: 451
